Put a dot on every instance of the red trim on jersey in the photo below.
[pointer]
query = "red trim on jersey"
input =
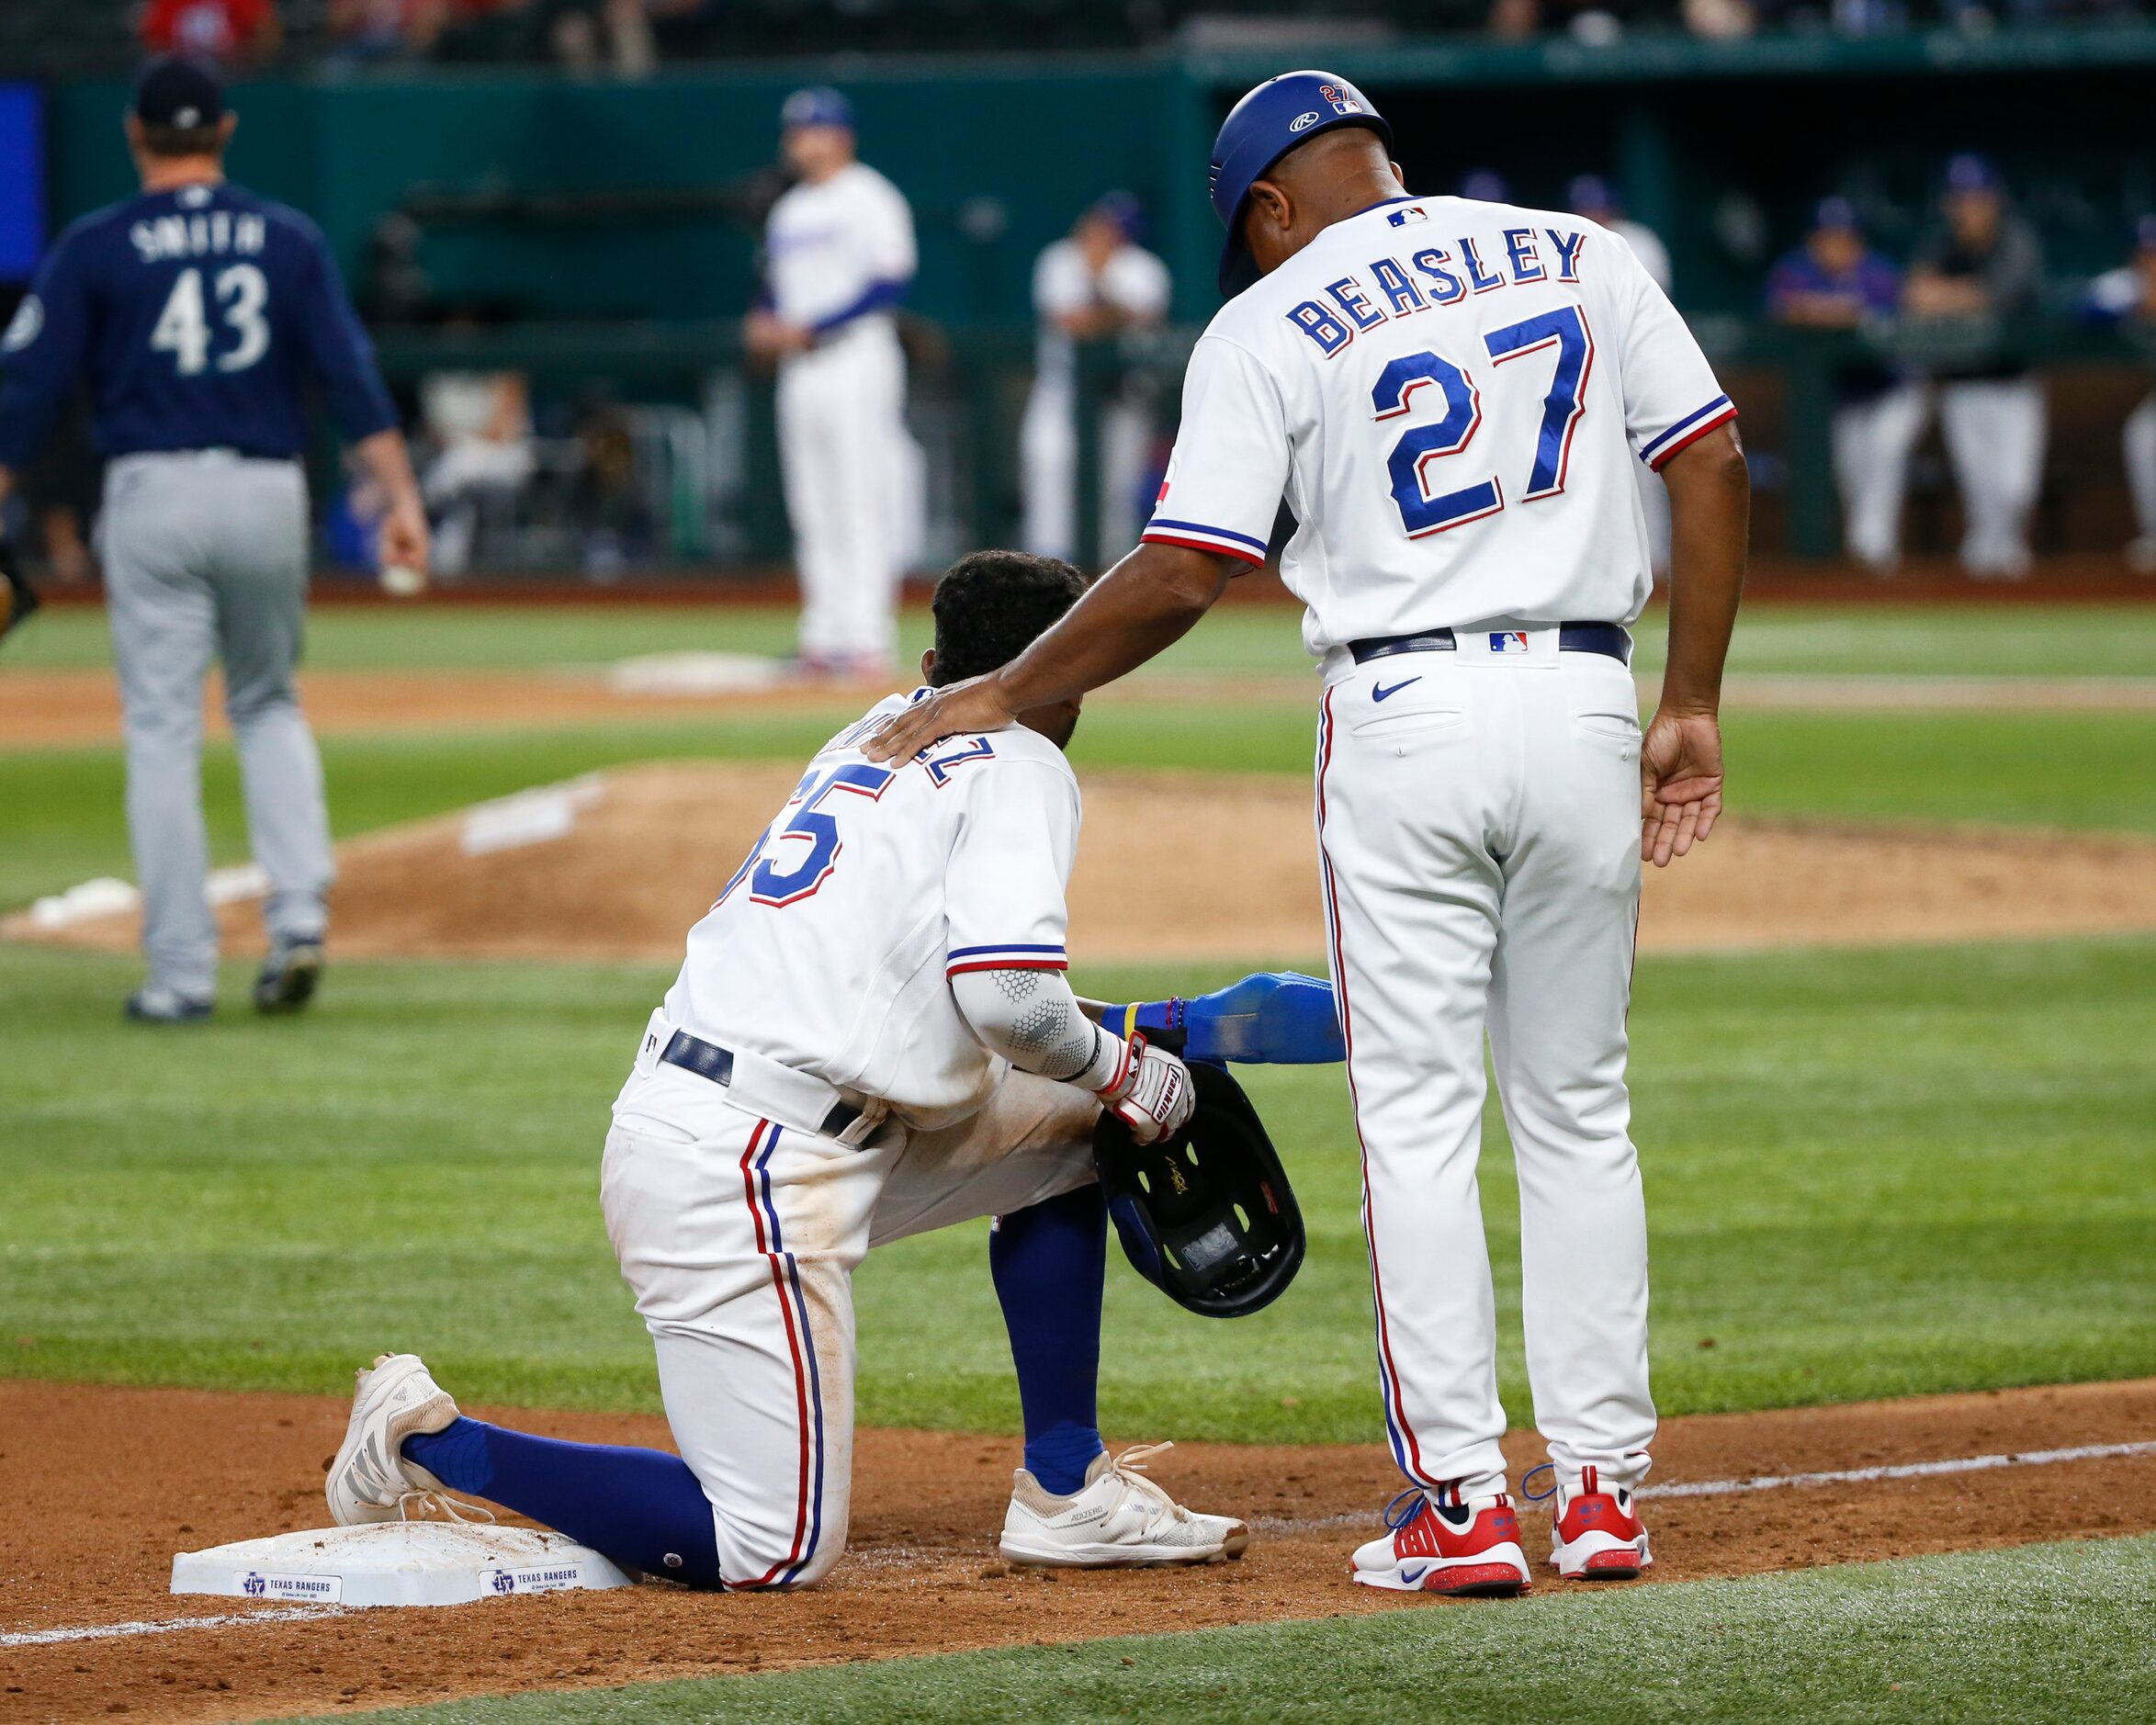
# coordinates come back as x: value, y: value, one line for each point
x: 1251, y: 557
x: 1662, y: 457
x: 794, y: 1346
x: 1390, y: 1371
x: 1007, y: 963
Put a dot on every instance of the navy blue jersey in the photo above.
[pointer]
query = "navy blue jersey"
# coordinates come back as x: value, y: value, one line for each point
x: 195, y: 314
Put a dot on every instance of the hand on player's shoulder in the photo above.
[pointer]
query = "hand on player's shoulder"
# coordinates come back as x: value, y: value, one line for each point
x: 975, y: 704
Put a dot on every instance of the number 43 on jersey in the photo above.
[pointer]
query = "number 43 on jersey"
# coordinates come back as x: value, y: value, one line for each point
x: 1564, y: 333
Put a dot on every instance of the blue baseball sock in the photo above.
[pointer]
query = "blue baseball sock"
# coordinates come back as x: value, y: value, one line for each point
x: 1049, y: 1262
x: 642, y: 1507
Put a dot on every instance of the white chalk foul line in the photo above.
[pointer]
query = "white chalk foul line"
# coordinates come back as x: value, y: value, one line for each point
x: 1777, y: 1482
x: 120, y: 1631
x: 1899, y: 1471
x: 1265, y: 1524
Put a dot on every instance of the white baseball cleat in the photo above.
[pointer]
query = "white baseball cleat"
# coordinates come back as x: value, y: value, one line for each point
x: 1119, y: 1519
x: 369, y: 1480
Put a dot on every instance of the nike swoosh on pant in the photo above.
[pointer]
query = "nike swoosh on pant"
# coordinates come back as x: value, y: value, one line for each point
x: 1381, y: 691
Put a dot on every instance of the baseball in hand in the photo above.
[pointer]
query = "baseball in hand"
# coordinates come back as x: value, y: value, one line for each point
x: 401, y: 581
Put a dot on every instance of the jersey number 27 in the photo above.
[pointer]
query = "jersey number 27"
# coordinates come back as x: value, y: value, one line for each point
x: 241, y: 292
x: 1565, y: 330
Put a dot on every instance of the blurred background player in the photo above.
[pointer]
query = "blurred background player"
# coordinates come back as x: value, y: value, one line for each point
x: 1981, y: 268
x: 838, y: 256
x: 196, y: 311
x: 1834, y: 281
x: 1095, y: 284
x: 1591, y: 196
x: 2127, y: 296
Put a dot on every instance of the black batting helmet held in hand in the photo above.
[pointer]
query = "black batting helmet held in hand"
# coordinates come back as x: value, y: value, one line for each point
x: 1205, y: 1215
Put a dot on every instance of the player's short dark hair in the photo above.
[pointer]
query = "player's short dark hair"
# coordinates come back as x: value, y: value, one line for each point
x: 990, y: 605
x: 183, y: 140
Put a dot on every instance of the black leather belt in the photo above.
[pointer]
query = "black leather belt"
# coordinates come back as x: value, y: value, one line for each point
x: 1606, y: 639
x: 708, y: 1060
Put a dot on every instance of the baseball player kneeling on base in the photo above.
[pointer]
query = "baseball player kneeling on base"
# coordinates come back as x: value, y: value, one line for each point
x: 872, y: 1037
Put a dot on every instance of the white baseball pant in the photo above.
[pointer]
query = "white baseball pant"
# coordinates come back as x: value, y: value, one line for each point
x: 1873, y: 440
x: 844, y: 452
x: 2137, y: 449
x: 1478, y: 818
x: 1049, y: 451
x: 739, y: 1237
x: 1994, y: 430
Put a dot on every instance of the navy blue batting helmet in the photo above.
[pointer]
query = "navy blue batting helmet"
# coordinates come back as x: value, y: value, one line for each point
x: 1262, y: 128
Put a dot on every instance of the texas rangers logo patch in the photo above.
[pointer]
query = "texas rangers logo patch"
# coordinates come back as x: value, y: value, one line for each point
x: 1508, y: 641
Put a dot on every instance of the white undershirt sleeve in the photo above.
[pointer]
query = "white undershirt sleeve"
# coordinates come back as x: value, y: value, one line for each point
x: 1032, y: 1019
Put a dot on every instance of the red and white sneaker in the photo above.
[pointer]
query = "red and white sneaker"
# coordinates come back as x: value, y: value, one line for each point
x: 1596, y: 1534
x: 1466, y: 1547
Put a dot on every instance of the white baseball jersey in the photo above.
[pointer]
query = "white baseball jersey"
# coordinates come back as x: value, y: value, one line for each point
x: 834, y: 243
x: 1134, y: 281
x: 832, y: 948
x: 1449, y: 394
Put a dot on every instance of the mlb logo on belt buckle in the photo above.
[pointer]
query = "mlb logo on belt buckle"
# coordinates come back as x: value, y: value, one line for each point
x: 1508, y: 641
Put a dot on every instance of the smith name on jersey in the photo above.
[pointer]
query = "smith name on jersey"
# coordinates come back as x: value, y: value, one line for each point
x: 1448, y: 395
x: 195, y: 313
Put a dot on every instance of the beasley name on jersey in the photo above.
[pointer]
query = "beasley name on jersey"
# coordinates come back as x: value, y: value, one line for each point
x: 1450, y: 395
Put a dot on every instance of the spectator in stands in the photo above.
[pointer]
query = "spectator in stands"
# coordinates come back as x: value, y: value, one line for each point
x: 2127, y: 297
x: 590, y: 36
x: 1093, y: 285
x: 1981, y: 270
x: 1596, y: 198
x: 376, y: 29
x: 231, y: 32
x: 1836, y: 282
x: 470, y: 29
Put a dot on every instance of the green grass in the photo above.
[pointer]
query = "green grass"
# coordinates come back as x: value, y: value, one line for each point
x: 1914, y: 641
x: 1867, y: 1175
x: 2040, y: 1635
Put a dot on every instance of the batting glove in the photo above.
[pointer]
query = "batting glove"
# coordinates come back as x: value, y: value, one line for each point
x: 1149, y: 1091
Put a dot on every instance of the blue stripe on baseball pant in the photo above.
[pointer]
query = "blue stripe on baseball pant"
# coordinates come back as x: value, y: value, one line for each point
x: 637, y: 1507
x: 1049, y: 1261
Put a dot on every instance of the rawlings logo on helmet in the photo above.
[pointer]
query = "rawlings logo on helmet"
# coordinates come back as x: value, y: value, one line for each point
x: 1303, y: 122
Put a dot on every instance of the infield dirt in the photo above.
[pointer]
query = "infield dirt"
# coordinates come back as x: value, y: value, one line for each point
x: 618, y: 866
x: 102, y: 1485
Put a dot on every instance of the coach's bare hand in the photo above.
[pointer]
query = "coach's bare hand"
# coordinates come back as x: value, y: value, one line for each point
x: 975, y: 704
x: 1680, y: 784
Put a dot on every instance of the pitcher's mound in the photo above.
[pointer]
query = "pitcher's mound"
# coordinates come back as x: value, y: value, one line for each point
x: 1175, y: 866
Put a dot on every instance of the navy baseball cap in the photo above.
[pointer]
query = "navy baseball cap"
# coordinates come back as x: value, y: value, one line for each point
x: 1123, y: 210
x: 175, y: 90
x: 818, y: 104
x: 1968, y: 171
x: 1485, y: 185
x: 1836, y: 215
x: 1259, y: 130
x: 1589, y: 191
